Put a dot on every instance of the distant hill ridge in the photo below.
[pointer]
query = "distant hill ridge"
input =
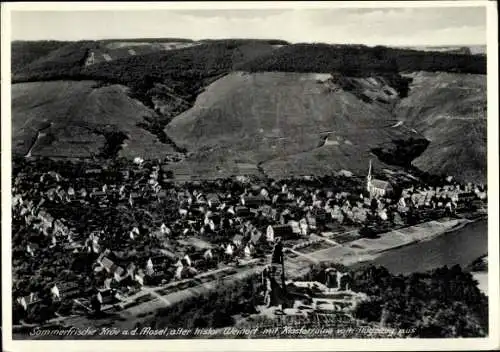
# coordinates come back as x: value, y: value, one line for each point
x: 287, y: 57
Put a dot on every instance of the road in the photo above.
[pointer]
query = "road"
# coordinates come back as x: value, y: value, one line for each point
x: 128, y: 317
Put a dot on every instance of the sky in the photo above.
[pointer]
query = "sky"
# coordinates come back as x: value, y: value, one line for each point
x: 377, y: 26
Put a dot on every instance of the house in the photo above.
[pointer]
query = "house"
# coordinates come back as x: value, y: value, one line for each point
x: 295, y: 226
x: 168, y: 254
x: 238, y: 240
x: 68, y: 289
x: 60, y: 228
x: 108, y: 296
x: 283, y: 231
x: 268, y: 211
x: 149, y: 267
x: 464, y: 198
x: 359, y: 214
x: 285, y: 216
x: 337, y: 214
x: 248, y: 250
x: 304, y: 227
x: 55, y: 292
x: 185, y: 272
x: 54, y: 175
x: 98, y: 194
x: 17, y: 200
x: 264, y: 192
x: 345, y: 173
x: 110, y: 266
x: 311, y: 221
x: 71, y: 192
x: 254, y: 201
x: 209, y: 224
x: 83, y: 192
x: 183, y: 212
x: 229, y: 250
x: 27, y: 301
x: 319, y: 214
x: 93, y: 171
x: 213, y: 200
x: 377, y: 188
x: 397, y: 219
x: 242, y: 211
x: 46, y: 219
x: 382, y: 214
x: 201, y: 199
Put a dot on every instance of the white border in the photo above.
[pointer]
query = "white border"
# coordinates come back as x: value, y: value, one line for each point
x: 214, y: 5
x: 492, y: 342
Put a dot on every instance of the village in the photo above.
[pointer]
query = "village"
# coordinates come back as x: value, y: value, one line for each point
x: 89, y: 237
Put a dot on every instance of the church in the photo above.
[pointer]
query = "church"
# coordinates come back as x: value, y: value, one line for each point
x: 377, y: 188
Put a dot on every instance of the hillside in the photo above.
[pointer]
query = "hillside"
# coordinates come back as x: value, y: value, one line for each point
x: 270, y: 119
x: 25, y: 52
x: 62, y: 63
x: 247, y: 106
x: 450, y: 111
x: 79, y: 119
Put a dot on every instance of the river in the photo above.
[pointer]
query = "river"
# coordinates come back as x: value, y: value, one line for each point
x: 457, y: 247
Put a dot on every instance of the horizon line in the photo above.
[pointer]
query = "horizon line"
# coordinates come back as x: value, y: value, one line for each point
x: 256, y: 39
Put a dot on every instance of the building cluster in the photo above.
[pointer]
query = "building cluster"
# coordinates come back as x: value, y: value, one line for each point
x: 123, y: 227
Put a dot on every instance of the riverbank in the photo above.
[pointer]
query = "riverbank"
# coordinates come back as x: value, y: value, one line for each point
x: 460, y: 246
x: 362, y: 251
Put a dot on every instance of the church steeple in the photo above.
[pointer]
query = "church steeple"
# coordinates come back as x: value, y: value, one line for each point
x: 369, y: 177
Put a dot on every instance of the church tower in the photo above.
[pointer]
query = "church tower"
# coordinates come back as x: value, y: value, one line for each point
x: 369, y: 178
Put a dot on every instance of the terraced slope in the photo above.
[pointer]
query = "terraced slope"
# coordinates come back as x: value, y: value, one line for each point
x: 275, y: 119
x: 450, y: 111
x: 79, y: 119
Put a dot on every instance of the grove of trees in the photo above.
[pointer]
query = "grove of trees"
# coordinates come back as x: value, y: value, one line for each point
x: 444, y: 302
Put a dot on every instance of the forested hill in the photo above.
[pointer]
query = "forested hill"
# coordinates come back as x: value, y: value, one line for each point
x: 37, y: 61
x: 363, y: 60
x: 25, y: 52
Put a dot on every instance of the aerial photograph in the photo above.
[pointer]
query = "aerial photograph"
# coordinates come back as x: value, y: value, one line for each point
x: 249, y: 174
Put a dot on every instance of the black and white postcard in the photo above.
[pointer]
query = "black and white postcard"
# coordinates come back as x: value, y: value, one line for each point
x: 250, y: 176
